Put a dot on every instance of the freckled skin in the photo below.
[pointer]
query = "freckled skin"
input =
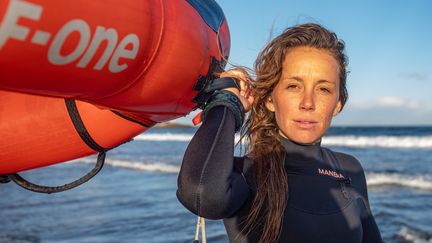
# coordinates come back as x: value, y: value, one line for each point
x: 307, y: 96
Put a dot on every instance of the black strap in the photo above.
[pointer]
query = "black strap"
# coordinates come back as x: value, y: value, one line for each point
x: 4, y: 179
x: 210, y: 86
x: 201, y: 98
x: 20, y: 181
x: 221, y: 83
x: 85, y: 136
x: 149, y: 123
x: 80, y: 128
x: 230, y: 101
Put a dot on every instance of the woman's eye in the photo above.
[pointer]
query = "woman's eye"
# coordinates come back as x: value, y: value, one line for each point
x: 325, y: 90
x: 292, y: 86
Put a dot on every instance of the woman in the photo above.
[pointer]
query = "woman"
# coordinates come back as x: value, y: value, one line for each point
x: 287, y: 188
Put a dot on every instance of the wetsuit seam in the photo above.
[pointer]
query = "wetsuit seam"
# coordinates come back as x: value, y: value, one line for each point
x: 365, y: 206
x: 198, y: 202
x: 241, y: 170
x: 334, y: 162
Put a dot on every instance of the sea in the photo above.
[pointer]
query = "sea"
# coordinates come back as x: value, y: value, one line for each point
x: 133, y: 198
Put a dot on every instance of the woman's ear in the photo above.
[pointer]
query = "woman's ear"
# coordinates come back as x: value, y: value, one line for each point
x: 337, y: 108
x: 269, y: 104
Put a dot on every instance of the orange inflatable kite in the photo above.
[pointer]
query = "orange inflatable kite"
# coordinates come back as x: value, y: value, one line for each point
x: 79, y: 77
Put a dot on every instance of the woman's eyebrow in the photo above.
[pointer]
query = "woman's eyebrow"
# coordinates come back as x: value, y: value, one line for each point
x: 299, y: 79
x: 295, y: 78
x: 324, y: 81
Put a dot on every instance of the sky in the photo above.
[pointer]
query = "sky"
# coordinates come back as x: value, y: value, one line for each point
x: 388, y: 43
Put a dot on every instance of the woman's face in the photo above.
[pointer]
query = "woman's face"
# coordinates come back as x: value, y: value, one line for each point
x: 307, y: 96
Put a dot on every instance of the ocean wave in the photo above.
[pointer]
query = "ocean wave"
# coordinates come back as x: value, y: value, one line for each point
x: 135, y: 165
x: 413, y: 236
x: 412, y: 181
x: 180, y: 137
x: 422, y: 182
x: 18, y: 238
x: 423, y: 142
x: 185, y: 137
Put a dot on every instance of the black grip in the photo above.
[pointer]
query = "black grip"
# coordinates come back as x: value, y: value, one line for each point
x: 221, y: 83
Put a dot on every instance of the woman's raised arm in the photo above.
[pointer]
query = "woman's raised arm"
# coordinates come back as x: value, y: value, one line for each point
x: 208, y: 184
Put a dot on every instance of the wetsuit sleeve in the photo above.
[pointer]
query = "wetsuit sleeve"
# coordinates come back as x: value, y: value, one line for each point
x: 208, y: 183
x: 371, y: 232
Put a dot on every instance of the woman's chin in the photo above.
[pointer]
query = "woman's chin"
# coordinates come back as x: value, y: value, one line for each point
x: 306, y: 140
x: 302, y: 138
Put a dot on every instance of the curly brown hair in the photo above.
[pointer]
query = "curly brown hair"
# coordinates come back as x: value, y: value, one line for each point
x: 261, y: 129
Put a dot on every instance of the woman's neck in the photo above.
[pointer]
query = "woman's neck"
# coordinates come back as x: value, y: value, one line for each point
x: 302, y: 152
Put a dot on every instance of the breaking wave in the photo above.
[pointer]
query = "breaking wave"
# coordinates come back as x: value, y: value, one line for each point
x: 387, y: 179
x: 423, y: 182
x: 413, y: 236
x: 135, y: 165
x: 423, y: 142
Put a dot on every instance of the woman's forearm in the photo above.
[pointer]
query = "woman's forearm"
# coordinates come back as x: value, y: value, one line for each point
x: 208, y: 183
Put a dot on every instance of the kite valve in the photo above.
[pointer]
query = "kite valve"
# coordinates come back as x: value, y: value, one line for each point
x: 197, y: 119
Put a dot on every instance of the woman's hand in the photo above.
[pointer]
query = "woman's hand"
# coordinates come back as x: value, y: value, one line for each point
x: 245, y: 93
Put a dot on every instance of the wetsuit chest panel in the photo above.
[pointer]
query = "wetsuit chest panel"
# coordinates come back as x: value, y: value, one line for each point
x: 344, y: 226
x: 316, y: 195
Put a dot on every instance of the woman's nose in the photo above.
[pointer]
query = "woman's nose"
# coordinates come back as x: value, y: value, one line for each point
x: 307, y: 102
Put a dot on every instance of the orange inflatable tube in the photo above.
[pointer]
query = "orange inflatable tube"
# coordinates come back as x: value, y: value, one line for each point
x: 108, y: 69
x: 38, y: 131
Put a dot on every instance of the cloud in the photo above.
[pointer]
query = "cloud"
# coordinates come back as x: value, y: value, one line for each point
x: 389, y: 102
x: 397, y: 102
x: 384, y: 116
x: 389, y: 110
x: 418, y: 76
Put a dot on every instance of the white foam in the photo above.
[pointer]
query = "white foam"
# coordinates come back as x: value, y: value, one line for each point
x: 164, y: 137
x: 373, y: 179
x: 382, y: 179
x: 424, y: 142
x: 412, y: 236
x: 181, y: 137
x: 135, y: 165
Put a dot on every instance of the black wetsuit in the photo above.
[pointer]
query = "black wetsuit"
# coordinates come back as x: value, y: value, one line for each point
x: 322, y: 206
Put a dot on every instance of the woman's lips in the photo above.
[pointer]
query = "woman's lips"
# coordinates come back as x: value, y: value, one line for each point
x: 305, y: 124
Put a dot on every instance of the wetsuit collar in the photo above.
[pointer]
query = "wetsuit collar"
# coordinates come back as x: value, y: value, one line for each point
x: 296, y: 152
